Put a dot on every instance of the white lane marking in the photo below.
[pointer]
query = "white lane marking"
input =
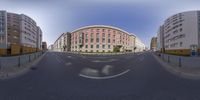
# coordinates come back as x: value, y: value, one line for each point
x: 69, y: 56
x: 106, y: 77
x: 107, y: 69
x: 110, y: 60
x: 90, y: 72
x: 68, y: 63
x: 58, y: 60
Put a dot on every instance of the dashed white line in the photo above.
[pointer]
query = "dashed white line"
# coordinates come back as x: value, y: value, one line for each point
x: 58, y: 60
x: 106, y: 77
x: 68, y: 63
x: 110, y: 60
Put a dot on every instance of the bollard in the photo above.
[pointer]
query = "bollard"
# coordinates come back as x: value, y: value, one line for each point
x: 162, y: 57
x: 19, y: 61
x: 179, y: 64
x: 29, y: 58
x: 168, y: 60
x: 0, y: 65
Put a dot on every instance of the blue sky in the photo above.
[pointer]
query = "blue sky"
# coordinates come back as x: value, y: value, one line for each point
x: 140, y: 17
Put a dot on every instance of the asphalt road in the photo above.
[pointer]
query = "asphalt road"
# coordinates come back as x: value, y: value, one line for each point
x: 62, y: 76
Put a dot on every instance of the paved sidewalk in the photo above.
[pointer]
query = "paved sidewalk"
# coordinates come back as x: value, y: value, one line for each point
x: 10, y: 72
x: 186, y: 72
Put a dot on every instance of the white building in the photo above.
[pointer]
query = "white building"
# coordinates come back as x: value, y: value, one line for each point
x: 131, y: 44
x: 50, y: 47
x: 140, y: 46
x: 62, y: 44
x: 180, y: 33
x: 39, y: 38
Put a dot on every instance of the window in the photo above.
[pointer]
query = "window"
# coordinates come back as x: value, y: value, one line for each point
x: 181, y: 29
x: 91, y: 35
x: 113, y: 40
x: 97, y: 40
x: 103, y: 46
x: 91, y: 40
x: 181, y: 44
x: 86, y: 36
x: 97, y: 46
x: 109, y: 46
x: 91, y: 46
x: 108, y: 40
x: 103, y: 35
x: 103, y: 40
x: 86, y: 46
x: 86, y: 40
x: 97, y: 35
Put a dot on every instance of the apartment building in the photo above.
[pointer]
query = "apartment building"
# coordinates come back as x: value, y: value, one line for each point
x: 44, y: 46
x: 153, y: 45
x: 19, y: 34
x: 63, y: 43
x: 3, y: 32
x: 181, y: 33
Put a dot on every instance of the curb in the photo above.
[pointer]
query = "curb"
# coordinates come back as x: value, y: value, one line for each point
x: 176, y: 71
x: 23, y: 70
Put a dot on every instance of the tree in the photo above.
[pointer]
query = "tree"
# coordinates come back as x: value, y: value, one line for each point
x: 116, y: 49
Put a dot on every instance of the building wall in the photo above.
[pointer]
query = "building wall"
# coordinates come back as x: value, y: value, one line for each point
x: 3, y: 29
x: 18, y: 34
x: 67, y: 42
x: 132, y: 43
x: 39, y: 38
x: 50, y: 47
x: 29, y: 32
x: 44, y: 46
x: 160, y: 39
x: 139, y: 45
x: 153, y: 45
x: 62, y: 44
x: 98, y: 38
x: 13, y: 29
x: 181, y: 32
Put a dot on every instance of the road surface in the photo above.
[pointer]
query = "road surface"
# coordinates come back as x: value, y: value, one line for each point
x: 63, y: 76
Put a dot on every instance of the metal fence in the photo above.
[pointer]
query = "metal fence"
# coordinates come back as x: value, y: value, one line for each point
x: 18, y: 61
x: 181, y: 61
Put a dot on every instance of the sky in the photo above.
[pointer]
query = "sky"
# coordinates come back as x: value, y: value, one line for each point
x: 139, y: 17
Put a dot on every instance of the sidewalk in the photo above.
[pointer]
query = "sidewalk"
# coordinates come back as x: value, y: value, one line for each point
x: 190, y: 70
x: 13, y: 71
